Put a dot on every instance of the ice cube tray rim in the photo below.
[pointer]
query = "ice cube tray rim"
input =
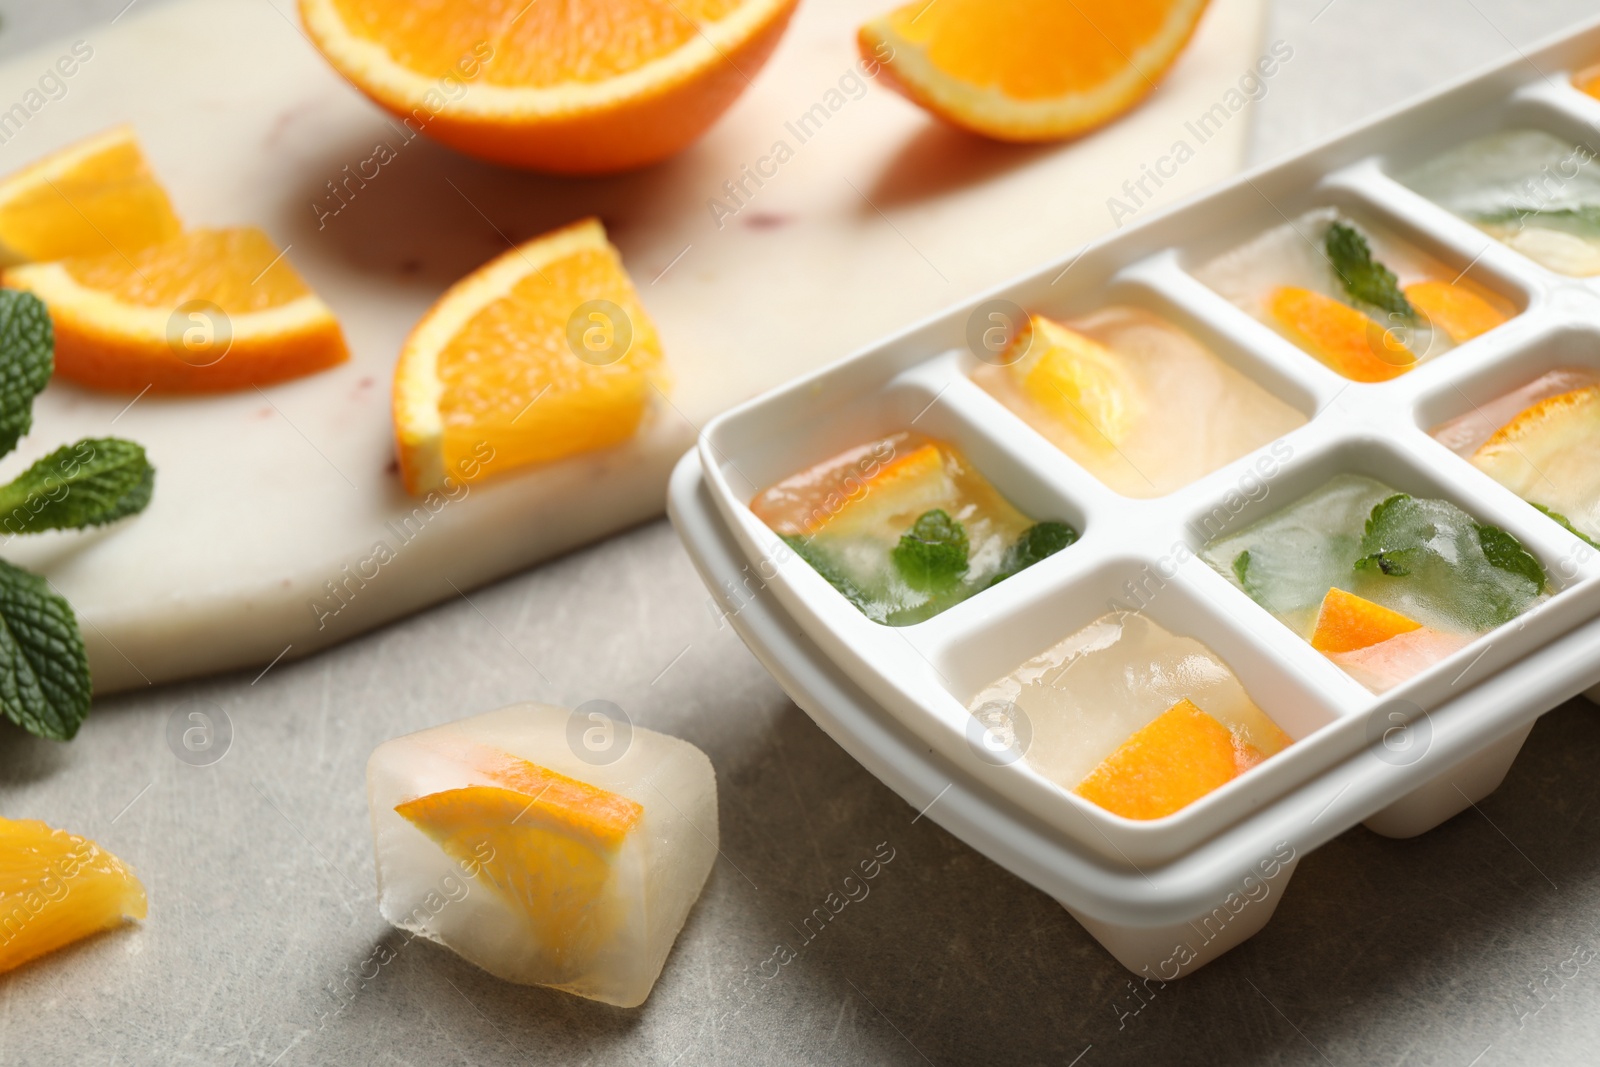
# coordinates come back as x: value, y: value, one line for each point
x: 906, y: 353
x: 1175, y: 891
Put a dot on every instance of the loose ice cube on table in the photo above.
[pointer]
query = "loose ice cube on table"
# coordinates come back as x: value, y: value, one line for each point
x: 1365, y: 304
x: 1135, y: 718
x: 541, y: 857
x: 905, y: 527
x: 1133, y: 399
x: 1537, y: 193
x: 1381, y: 582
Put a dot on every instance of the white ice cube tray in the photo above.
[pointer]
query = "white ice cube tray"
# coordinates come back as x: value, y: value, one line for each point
x: 896, y: 697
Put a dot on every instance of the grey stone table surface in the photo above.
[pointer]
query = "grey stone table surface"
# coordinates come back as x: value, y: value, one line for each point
x: 1473, y: 945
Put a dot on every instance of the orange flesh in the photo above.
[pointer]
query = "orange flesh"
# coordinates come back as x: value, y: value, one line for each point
x: 1346, y: 622
x: 1169, y: 764
x: 1030, y: 50
x: 57, y: 888
x: 1455, y: 309
x: 110, y: 202
x: 232, y: 268
x: 515, y: 349
x: 543, y: 841
x: 533, y: 45
x: 1339, y: 335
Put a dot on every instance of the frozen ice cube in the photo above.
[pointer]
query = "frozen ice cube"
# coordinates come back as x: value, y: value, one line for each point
x: 549, y: 847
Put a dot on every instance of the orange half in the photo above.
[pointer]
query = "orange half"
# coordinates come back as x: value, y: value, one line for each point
x: 1028, y: 70
x: 491, y: 379
x: 210, y: 310
x: 575, y: 87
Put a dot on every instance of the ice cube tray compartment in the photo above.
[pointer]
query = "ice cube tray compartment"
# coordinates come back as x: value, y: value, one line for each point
x: 922, y: 675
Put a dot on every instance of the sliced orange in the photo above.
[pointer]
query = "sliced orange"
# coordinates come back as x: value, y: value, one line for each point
x: 553, y: 842
x: 1172, y: 762
x: 1339, y: 335
x: 206, y: 311
x: 57, y: 888
x: 1346, y: 622
x: 490, y: 380
x: 92, y: 198
x: 1029, y: 70
x: 902, y: 489
x: 577, y: 87
x: 1078, y: 382
x: 1455, y: 309
x: 1550, y: 454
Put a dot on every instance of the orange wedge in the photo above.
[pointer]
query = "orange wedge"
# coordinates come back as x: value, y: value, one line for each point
x: 1028, y: 70
x: 1339, y: 335
x: 578, y: 87
x: 1169, y: 764
x: 553, y: 840
x: 92, y: 198
x: 57, y: 888
x: 491, y: 379
x: 1078, y: 382
x: 206, y: 311
x: 1455, y: 309
x: 1547, y: 454
x: 1346, y: 622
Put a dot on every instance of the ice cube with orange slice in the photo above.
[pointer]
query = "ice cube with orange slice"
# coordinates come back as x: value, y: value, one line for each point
x: 547, y: 846
x: 905, y: 527
x: 1135, y: 400
x: 138, y: 303
x: 1372, y: 320
x: 1549, y: 455
x: 1132, y: 717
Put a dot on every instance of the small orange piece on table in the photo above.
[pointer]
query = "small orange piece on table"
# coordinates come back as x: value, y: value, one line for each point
x: 57, y: 888
x: 1339, y: 335
x: 208, y: 310
x: 579, y: 87
x: 492, y: 379
x: 1346, y: 622
x: 1169, y: 764
x: 1029, y: 70
x: 95, y: 197
x: 1455, y: 309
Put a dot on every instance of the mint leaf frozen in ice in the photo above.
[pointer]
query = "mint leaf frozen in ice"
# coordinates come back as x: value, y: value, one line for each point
x: 932, y: 555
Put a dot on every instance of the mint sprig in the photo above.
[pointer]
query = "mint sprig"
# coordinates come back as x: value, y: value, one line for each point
x: 1365, y: 280
x: 45, y: 685
x: 1039, y: 541
x: 932, y: 555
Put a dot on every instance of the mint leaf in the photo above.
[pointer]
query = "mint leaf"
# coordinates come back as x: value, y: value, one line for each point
x: 91, y: 483
x: 1584, y: 220
x: 1038, y: 541
x: 1396, y: 532
x: 44, y: 670
x: 819, y: 561
x: 932, y: 556
x: 1241, y: 571
x: 1364, y: 280
x: 1566, y: 524
x: 1505, y: 552
x: 27, y: 356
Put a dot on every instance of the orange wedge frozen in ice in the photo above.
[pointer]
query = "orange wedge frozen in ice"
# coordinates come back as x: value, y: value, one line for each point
x: 1455, y: 309
x: 1550, y: 454
x: 1029, y: 70
x: 1346, y: 622
x: 550, y: 840
x: 95, y: 197
x: 1077, y: 381
x: 1169, y: 764
x: 57, y: 888
x: 540, y: 354
x: 577, y: 87
x: 205, y: 311
x: 1339, y: 335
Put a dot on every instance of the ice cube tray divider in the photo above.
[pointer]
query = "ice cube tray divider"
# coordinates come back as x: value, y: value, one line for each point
x: 921, y: 676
